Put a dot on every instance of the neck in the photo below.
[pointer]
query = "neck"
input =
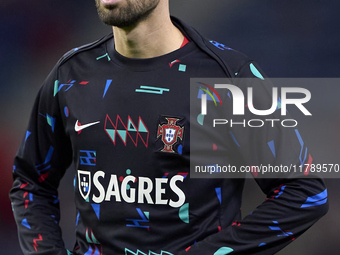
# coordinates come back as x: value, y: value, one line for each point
x: 155, y: 36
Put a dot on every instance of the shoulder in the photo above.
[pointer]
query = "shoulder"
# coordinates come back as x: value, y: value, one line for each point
x: 231, y: 58
x: 90, y: 49
x: 81, y: 58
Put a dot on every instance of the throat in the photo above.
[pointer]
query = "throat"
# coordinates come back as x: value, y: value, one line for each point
x: 145, y: 42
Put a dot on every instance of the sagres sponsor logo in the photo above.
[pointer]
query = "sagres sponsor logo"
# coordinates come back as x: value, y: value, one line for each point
x: 117, y: 130
x: 84, y: 183
x: 131, y: 189
x: 170, y: 133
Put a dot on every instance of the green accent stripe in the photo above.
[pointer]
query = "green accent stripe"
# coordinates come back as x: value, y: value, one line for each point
x: 256, y: 72
x: 122, y: 134
x: 55, y: 87
x: 149, y: 91
x: 141, y: 127
x: 94, y: 239
x: 223, y: 251
x: 105, y: 55
x: 147, y: 215
x: 156, y: 88
x: 87, y: 237
x: 112, y: 133
x: 184, y: 213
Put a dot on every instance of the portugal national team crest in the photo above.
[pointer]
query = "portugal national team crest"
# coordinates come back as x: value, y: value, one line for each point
x: 170, y: 133
x: 84, y: 183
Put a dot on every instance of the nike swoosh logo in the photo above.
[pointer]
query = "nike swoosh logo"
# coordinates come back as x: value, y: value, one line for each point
x: 78, y: 127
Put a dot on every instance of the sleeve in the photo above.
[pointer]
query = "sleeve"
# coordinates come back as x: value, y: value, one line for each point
x: 294, y: 202
x: 40, y: 163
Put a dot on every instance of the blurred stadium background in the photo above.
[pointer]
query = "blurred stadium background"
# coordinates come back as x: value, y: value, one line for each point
x: 287, y: 39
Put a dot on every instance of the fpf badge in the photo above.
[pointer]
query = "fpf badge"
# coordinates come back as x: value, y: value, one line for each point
x: 171, y: 134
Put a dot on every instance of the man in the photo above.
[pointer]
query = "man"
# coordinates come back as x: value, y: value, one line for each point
x: 119, y: 109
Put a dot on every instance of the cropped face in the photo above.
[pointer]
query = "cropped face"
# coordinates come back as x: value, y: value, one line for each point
x: 124, y: 13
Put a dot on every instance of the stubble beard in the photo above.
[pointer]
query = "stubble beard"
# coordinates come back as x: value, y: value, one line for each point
x: 129, y: 15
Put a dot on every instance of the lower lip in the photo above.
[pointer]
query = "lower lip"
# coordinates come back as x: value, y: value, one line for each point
x: 109, y: 2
